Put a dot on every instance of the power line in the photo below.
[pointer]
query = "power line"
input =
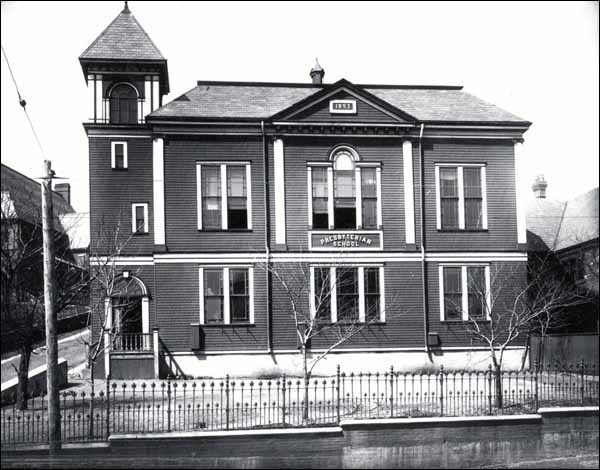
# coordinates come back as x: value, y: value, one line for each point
x: 23, y: 103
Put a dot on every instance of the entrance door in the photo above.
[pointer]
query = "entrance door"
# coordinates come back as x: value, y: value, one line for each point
x: 127, y: 315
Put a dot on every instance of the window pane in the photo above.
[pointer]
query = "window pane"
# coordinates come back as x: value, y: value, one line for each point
x: 119, y: 156
x: 213, y: 282
x: 211, y: 181
x: 347, y: 294
x: 139, y: 218
x: 473, y: 213
x: 369, y: 213
x: 238, y: 280
x: 239, y: 309
x: 372, y: 293
x: 319, y: 182
x: 472, y: 181
x: 344, y: 184
x: 477, y: 289
x: 369, y: 182
x: 236, y: 181
x: 448, y: 182
x: 452, y: 293
x: 213, y: 309
x: 449, y: 209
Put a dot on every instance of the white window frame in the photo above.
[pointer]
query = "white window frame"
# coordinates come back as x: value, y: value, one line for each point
x: 113, y: 155
x: 226, y: 296
x: 223, y: 168
x: 461, y: 194
x: 464, y: 289
x: 358, y: 195
x: 361, y: 291
x: 134, y: 206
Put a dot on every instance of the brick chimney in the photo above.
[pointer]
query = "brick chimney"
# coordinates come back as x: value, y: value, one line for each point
x: 539, y: 187
x: 317, y: 73
x: 64, y: 189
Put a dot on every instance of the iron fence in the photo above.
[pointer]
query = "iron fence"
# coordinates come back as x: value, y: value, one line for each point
x: 228, y: 404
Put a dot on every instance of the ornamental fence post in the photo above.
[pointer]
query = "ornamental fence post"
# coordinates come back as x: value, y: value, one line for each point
x: 441, y: 390
x: 283, y: 399
x: 227, y: 402
x: 391, y: 391
x: 337, y: 383
x: 169, y: 403
x: 490, y: 389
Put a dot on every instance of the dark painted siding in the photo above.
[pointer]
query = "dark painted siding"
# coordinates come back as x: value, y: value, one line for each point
x: 507, y: 280
x: 404, y: 312
x: 364, y: 112
x: 501, y: 196
x: 113, y: 191
x: 179, y: 306
x: 300, y: 150
x: 182, y: 232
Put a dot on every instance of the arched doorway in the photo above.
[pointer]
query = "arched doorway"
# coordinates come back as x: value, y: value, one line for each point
x: 130, y: 318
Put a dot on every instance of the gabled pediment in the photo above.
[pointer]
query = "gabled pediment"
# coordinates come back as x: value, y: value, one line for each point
x: 343, y: 102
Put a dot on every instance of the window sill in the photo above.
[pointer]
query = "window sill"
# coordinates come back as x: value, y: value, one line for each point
x: 140, y: 234
x: 119, y: 169
x: 225, y: 325
x: 462, y: 230
x: 486, y: 320
x: 219, y: 230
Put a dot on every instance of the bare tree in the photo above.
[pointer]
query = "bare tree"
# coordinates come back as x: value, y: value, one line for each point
x: 500, y: 309
x: 313, y: 319
x: 22, y: 284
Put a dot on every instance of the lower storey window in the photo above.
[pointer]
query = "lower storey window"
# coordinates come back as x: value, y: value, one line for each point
x: 348, y: 293
x: 226, y: 295
x: 464, y: 292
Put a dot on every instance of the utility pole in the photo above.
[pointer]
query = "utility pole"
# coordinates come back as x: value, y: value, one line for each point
x: 54, y: 433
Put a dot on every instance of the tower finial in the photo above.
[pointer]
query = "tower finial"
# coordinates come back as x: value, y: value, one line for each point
x: 126, y: 7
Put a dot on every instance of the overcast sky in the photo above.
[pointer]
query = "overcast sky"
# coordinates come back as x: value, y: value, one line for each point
x: 538, y: 61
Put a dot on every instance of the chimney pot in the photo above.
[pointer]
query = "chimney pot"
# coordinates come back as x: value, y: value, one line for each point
x: 64, y: 189
x: 539, y: 187
x: 317, y: 73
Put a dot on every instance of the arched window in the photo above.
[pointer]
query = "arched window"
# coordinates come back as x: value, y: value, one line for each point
x: 123, y: 104
x: 344, y: 188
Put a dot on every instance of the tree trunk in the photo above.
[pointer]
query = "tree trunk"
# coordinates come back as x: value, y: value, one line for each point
x: 498, y: 385
x: 23, y: 376
x: 526, y: 352
x: 306, y: 380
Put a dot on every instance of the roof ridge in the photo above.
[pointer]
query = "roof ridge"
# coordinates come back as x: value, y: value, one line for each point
x: 325, y: 85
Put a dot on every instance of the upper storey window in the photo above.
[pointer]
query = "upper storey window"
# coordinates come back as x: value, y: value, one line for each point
x: 345, y: 193
x: 123, y: 104
x: 461, y: 197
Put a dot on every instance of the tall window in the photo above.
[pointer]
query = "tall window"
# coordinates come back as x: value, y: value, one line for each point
x: 322, y: 293
x: 320, y: 217
x: 369, y: 197
x: 211, y: 197
x: 226, y: 296
x: 119, y: 155
x: 461, y: 197
x: 465, y: 292
x: 123, y: 104
x: 452, y: 293
x: 239, y: 295
x: 449, y: 197
x: 344, y: 192
x: 372, y: 293
x: 473, y: 197
x: 347, y: 294
x: 213, y: 295
x: 237, y: 215
x: 224, y: 196
x: 139, y: 218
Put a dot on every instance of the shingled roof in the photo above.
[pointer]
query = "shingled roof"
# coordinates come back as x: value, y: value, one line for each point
x: 123, y: 39
x: 561, y: 225
x: 239, y: 100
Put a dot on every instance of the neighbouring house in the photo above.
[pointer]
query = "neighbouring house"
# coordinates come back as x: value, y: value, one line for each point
x: 404, y: 191
x: 22, y: 255
x: 568, y: 231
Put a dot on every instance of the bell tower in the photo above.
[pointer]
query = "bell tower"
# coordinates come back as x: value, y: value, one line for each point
x: 126, y: 74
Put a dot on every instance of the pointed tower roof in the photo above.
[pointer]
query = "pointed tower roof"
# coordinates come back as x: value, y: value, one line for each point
x: 123, y: 39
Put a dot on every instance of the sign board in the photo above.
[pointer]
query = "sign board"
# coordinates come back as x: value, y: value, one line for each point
x: 342, y: 106
x: 340, y: 241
